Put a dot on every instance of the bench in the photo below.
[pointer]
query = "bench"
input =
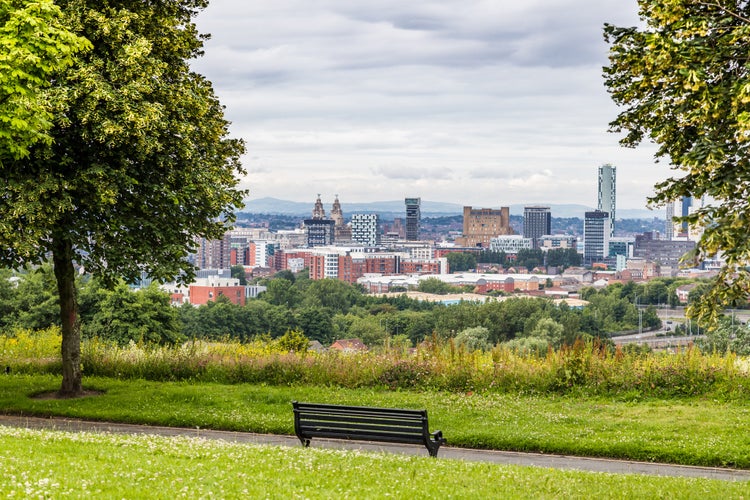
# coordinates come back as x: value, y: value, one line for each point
x: 391, y: 425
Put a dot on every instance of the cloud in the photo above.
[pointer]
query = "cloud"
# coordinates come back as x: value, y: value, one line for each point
x: 456, y: 99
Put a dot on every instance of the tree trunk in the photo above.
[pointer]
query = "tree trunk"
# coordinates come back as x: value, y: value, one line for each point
x: 62, y: 255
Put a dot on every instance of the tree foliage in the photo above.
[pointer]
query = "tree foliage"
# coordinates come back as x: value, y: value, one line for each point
x: 461, y: 261
x: 34, y: 45
x: 683, y: 82
x: 140, y: 164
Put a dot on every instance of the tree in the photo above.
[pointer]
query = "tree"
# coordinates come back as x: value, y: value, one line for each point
x: 436, y: 286
x: 34, y: 45
x: 461, y: 261
x: 140, y: 164
x: 238, y: 272
x: 474, y: 339
x: 124, y: 315
x: 281, y: 292
x: 684, y: 83
x: 333, y: 294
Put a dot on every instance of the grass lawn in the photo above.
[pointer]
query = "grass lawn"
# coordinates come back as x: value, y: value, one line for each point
x: 54, y: 464
x: 684, y: 431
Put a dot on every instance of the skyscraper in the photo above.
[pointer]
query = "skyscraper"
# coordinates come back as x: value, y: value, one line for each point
x: 320, y: 231
x: 596, y: 231
x: 537, y: 222
x: 669, y: 226
x: 606, y: 188
x: 413, y: 218
x: 366, y: 229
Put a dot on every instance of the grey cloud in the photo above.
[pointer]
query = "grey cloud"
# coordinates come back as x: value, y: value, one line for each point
x: 405, y: 172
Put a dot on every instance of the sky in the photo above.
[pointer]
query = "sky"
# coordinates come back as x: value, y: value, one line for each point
x: 477, y: 102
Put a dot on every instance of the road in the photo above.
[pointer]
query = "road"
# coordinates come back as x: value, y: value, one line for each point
x: 446, y: 452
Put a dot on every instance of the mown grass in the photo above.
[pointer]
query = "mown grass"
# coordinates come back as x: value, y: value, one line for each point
x: 51, y: 464
x: 692, y: 431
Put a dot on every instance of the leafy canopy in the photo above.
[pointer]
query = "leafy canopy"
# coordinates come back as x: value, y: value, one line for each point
x: 683, y: 82
x: 34, y: 45
x: 140, y: 163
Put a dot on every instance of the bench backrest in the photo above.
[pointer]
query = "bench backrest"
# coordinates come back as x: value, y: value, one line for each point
x: 360, y: 422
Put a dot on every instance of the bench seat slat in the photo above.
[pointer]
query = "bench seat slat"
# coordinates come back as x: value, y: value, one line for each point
x: 363, y: 436
x: 325, y: 419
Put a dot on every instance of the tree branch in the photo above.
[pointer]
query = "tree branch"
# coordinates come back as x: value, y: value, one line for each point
x: 725, y: 10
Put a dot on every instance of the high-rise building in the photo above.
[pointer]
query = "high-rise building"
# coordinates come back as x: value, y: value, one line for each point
x: 537, y: 222
x: 342, y: 232
x: 607, y: 190
x: 596, y: 231
x: 413, y: 218
x: 320, y: 231
x: 483, y: 224
x: 366, y: 229
x: 214, y: 254
x: 669, y: 226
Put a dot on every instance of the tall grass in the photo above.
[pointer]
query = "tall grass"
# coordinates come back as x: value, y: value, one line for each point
x: 586, y: 368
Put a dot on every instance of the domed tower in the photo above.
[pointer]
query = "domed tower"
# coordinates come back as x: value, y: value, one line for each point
x: 343, y: 233
x: 318, y: 211
x: 336, y: 214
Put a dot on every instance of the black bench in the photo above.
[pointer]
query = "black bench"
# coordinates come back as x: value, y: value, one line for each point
x: 391, y: 425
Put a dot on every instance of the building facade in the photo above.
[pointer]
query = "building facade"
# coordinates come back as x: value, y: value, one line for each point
x: 537, y: 222
x: 365, y: 229
x: 480, y: 225
x: 596, y: 231
x: 413, y: 218
x: 511, y: 244
x: 320, y: 230
x: 607, y: 182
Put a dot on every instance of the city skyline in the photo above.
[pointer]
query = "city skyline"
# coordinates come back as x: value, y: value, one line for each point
x: 471, y: 103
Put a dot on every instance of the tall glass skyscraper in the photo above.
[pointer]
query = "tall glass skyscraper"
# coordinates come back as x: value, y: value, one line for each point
x: 537, y: 222
x: 606, y: 188
x: 413, y: 218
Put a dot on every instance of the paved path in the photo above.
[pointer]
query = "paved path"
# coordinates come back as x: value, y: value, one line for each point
x: 499, y: 457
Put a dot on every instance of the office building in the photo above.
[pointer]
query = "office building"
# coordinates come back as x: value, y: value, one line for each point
x: 511, y: 243
x: 537, y: 222
x: 365, y: 229
x: 413, y: 218
x: 607, y: 199
x: 596, y: 231
x: 669, y: 226
x: 320, y: 231
x: 483, y: 224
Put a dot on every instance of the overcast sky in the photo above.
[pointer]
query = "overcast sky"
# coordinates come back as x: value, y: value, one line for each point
x: 477, y: 102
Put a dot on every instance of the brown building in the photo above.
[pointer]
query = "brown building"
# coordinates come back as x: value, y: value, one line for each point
x: 482, y: 224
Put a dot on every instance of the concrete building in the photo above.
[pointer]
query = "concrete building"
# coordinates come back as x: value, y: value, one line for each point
x: 666, y: 253
x: 621, y: 246
x: 342, y: 232
x: 607, y: 181
x: 320, y: 230
x: 482, y: 224
x: 537, y: 222
x: 596, y: 233
x: 214, y: 254
x: 413, y: 218
x: 365, y: 229
x: 210, y: 289
x: 511, y: 243
x: 551, y: 241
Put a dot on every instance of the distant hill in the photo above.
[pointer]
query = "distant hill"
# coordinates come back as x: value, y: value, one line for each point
x: 390, y: 209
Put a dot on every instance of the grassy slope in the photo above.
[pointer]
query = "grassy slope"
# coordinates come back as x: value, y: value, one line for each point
x: 689, y: 431
x: 51, y: 464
